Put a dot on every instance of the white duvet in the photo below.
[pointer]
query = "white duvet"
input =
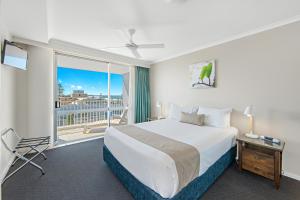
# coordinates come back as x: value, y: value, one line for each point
x: 156, y: 169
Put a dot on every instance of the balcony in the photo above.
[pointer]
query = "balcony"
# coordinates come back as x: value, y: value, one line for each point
x: 88, y: 118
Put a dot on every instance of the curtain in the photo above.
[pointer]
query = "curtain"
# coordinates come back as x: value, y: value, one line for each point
x: 142, y: 95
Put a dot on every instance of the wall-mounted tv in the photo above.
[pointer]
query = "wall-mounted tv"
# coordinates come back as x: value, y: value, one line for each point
x: 14, y: 56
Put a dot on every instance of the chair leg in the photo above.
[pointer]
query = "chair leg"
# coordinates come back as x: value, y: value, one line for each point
x: 32, y: 163
x: 38, y: 151
x: 32, y: 149
x: 18, y: 158
x: 45, y: 157
x: 26, y: 162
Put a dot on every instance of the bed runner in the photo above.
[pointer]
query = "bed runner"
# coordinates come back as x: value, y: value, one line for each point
x: 185, y: 156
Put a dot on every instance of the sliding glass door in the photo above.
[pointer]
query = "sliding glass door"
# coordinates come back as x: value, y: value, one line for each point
x: 90, y: 96
x: 119, y: 95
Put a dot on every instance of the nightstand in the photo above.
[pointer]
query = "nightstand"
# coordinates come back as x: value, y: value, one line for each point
x: 260, y: 157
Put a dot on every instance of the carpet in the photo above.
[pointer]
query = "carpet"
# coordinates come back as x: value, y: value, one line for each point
x: 78, y: 172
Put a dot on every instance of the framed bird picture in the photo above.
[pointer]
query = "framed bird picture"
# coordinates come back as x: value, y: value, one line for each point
x: 203, y: 74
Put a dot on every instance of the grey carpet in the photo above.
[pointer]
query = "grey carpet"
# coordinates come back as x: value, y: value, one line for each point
x: 77, y: 172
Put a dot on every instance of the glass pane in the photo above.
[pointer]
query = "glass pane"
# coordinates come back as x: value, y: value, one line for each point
x: 119, y: 90
x: 83, y: 96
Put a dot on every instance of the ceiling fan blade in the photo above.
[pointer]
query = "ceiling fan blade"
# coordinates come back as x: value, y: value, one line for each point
x: 135, y: 52
x: 113, y: 47
x: 148, y: 46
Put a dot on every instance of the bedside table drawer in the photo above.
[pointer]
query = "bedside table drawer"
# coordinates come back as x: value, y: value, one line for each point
x: 259, y: 163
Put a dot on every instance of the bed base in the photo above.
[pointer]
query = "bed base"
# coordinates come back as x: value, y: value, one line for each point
x: 193, y: 191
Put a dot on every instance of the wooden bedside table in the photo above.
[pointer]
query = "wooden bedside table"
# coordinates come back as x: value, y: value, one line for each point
x: 260, y: 157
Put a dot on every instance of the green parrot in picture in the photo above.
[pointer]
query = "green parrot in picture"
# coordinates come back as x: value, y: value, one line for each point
x: 203, y: 73
x: 206, y: 72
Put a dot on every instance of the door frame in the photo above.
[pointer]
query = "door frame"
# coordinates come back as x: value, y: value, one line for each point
x: 55, y: 98
x: 55, y: 94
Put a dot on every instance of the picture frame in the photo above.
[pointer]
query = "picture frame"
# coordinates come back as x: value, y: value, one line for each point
x: 203, y: 75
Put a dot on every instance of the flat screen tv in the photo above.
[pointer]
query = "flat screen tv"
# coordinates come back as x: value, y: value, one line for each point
x: 14, y: 56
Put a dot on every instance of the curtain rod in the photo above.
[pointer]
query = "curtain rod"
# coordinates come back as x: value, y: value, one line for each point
x: 88, y: 58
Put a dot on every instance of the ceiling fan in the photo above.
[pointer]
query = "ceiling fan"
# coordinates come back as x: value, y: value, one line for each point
x: 133, y: 47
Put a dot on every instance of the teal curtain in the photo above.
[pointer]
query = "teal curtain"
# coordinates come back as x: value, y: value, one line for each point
x: 142, y: 95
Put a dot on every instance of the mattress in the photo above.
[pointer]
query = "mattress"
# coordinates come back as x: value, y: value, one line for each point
x: 156, y: 169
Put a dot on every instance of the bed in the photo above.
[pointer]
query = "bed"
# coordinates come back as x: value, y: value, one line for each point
x: 149, y: 173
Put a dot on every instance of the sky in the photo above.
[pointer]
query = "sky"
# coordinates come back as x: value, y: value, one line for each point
x: 93, y: 83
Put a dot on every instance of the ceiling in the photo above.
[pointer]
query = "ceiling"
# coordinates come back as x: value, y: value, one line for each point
x: 182, y: 25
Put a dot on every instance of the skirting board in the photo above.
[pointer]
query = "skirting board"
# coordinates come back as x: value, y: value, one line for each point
x: 292, y: 175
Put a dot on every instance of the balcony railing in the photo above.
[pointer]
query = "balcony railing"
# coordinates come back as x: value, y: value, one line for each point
x: 87, y: 111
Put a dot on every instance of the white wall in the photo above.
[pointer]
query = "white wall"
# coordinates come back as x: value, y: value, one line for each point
x: 8, y: 104
x: 262, y: 70
x: 40, y: 92
x: 8, y: 107
x: 27, y: 99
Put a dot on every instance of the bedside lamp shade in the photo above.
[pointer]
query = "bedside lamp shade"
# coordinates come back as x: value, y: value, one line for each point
x: 159, y: 110
x: 158, y: 104
x: 249, y: 111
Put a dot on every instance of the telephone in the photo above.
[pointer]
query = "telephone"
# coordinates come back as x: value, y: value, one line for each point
x: 270, y: 139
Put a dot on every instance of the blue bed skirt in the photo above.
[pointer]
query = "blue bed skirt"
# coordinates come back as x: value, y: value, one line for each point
x: 193, y: 191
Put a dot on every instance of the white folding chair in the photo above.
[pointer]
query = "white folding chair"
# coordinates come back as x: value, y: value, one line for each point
x: 123, y: 117
x: 38, y: 145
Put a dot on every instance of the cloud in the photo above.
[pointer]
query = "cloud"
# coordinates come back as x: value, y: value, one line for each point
x: 78, y: 87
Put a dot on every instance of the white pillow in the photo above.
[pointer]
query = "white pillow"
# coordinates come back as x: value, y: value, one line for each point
x: 175, y: 111
x: 216, y: 117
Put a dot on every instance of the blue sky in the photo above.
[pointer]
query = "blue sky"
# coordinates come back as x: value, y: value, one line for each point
x: 93, y: 83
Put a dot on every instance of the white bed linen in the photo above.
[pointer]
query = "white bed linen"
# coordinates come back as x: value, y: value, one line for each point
x: 156, y: 169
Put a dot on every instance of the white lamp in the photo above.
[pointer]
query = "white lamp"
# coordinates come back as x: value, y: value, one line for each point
x: 249, y: 113
x: 158, y: 106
